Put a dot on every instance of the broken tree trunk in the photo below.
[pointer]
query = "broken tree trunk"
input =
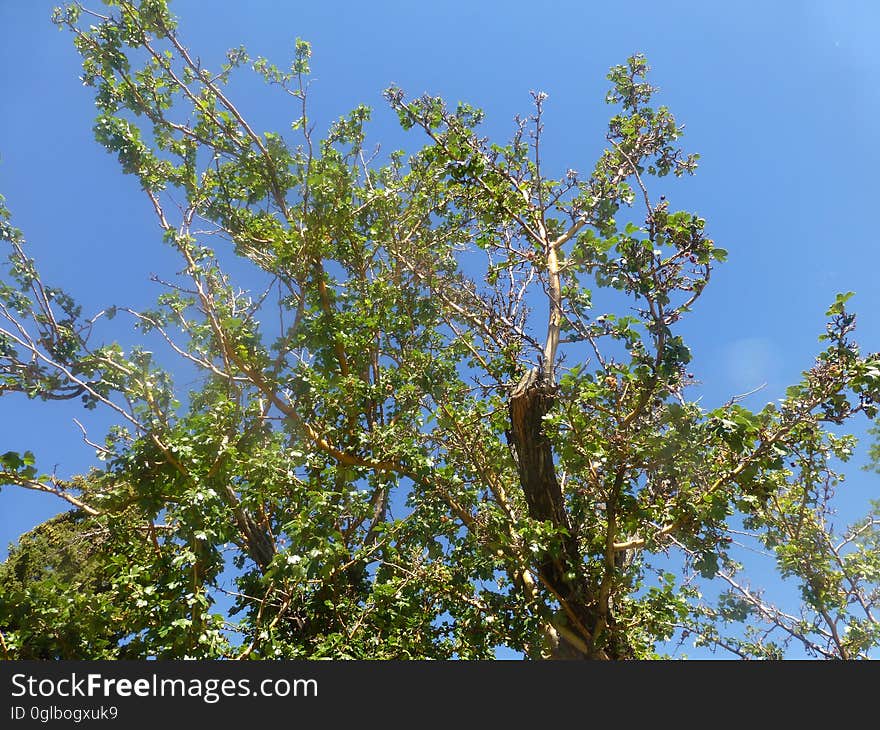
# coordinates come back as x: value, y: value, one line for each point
x: 560, y: 570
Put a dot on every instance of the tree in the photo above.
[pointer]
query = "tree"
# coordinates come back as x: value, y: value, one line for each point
x: 60, y: 600
x: 452, y: 416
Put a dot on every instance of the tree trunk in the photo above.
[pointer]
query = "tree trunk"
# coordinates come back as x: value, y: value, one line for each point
x: 572, y: 635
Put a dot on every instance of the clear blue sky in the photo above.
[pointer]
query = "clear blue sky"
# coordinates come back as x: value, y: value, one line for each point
x: 781, y: 100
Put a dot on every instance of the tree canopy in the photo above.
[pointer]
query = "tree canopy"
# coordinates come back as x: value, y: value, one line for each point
x: 442, y: 403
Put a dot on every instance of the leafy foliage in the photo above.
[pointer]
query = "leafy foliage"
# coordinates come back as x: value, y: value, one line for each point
x: 58, y: 591
x: 393, y: 450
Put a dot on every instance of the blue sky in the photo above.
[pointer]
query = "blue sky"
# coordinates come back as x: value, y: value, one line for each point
x: 781, y: 100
